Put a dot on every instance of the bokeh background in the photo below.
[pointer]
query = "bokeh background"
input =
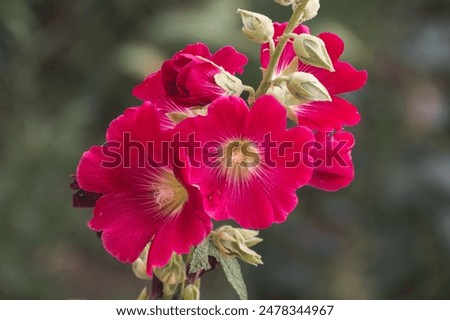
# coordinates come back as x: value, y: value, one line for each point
x: 67, y: 68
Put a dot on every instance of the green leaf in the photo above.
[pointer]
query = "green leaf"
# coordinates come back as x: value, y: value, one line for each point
x: 232, y: 271
x: 230, y: 266
x: 200, y: 257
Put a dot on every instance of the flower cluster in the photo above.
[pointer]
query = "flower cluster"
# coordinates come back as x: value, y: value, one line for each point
x: 195, y: 151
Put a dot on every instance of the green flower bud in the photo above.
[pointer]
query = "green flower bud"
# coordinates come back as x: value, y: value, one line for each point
x: 169, y: 290
x: 257, y: 27
x: 285, y: 2
x: 190, y: 292
x: 231, y: 84
x: 306, y: 87
x: 173, y: 272
x: 311, y: 10
x: 286, y: 98
x: 140, y: 265
x: 236, y: 242
x: 311, y: 50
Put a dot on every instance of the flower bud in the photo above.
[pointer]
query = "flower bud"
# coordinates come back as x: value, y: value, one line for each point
x: 140, y: 266
x: 250, y: 237
x: 190, y: 292
x: 285, y: 2
x: 169, y: 290
x: 173, y: 272
x: 306, y: 87
x: 311, y: 9
x: 231, y: 84
x: 257, y: 27
x: 236, y: 242
x: 311, y: 50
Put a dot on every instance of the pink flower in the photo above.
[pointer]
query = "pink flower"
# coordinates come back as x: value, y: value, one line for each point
x: 332, y: 156
x: 322, y: 115
x: 141, y: 202
x: 246, y: 174
x: 187, y: 79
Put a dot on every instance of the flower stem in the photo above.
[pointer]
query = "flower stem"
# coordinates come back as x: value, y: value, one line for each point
x: 157, y: 289
x: 275, y: 56
x: 271, y: 46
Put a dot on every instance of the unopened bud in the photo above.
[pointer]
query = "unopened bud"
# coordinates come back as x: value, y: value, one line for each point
x: 169, y: 290
x: 257, y: 27
x: 311, y: 9
x: 285, y: 2
x: 311, y: 50
x: 173, y: 272
x: 306, y: 87
x: 250, y: 237
x: 190, y: 292
x: 140, y: 265
x: 237, y: 242
x: 231, y: 84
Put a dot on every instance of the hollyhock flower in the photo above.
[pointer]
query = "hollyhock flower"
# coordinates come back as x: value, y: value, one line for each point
x: 333, y: 158
x: 193, y: 77
x: 142, y: 201
x: 245, y: 173
x: 318, y: 115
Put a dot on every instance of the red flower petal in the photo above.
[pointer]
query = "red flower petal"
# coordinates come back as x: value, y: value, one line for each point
x: 345, y: 78
x: 198, y: 83
x: 198, y: 49
x: 151, y: 89
x: 188, y: 228
x: 230, y: 59
x: 127, y: 222
x: 267, y: 115
x: 336, y: 169
x: 328, y: 115
x: 248, y: 205
x: 226, y: 118
x: 94, y: 175
x: 334, y: 44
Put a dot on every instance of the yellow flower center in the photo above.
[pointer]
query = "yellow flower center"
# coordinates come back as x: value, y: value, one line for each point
x: 169, y: 194
x: 240, y: 159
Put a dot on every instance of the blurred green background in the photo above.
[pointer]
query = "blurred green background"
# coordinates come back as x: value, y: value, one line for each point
x: 67, y: 68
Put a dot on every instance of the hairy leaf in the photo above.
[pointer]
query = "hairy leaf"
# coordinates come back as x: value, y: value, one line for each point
x: 200, y: 257
x: 232, y: 271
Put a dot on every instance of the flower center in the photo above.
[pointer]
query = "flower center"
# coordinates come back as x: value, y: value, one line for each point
x: 240, y: 159
x: 169, y: 194
x: 237, y: 157
x: 163, y: 195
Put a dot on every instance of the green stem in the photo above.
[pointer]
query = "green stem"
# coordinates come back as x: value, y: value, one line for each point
x: 249, y: 89
x: 271, y: 45
x: 293, y: 22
